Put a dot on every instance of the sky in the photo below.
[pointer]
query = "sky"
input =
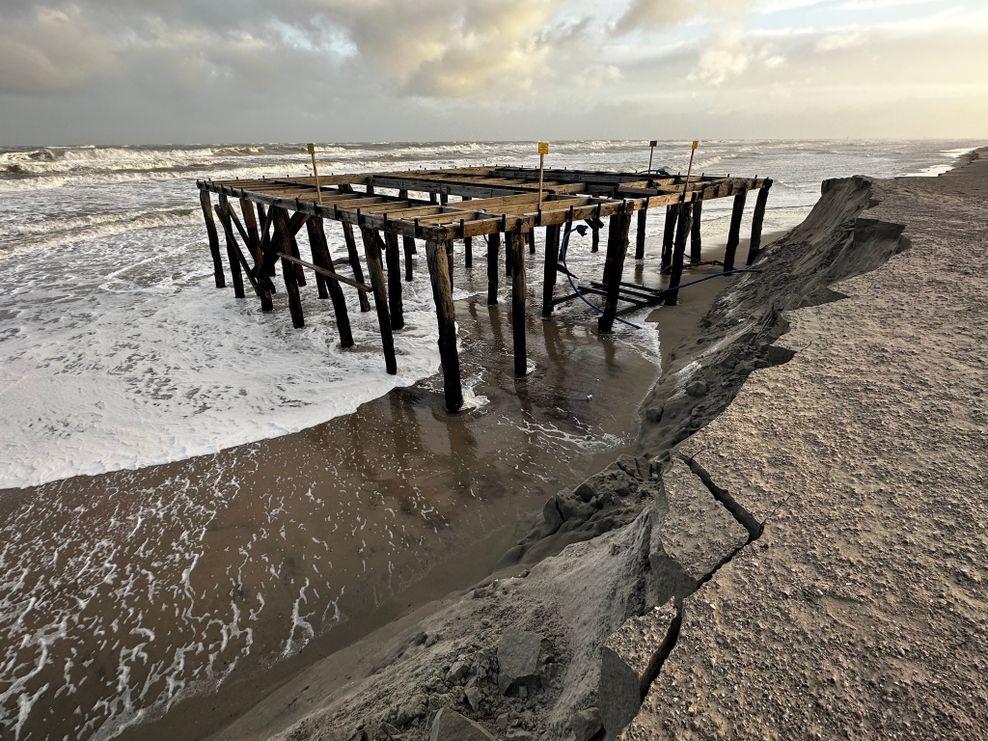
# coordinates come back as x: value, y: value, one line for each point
x: 192, y: 71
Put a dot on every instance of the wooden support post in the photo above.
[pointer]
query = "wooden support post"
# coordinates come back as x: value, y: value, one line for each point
x: 493, y: 247
x: 322, y: 257
x: 594, y: 238
x: 444, y: 200
x: 283, y: 242
x: 757, y: 220
x: 223, y: 211
x: 293, y: 243
x: 432, y: 197
x: 372, y: 251
x: 214, y: 240
x: 531, y: 241
x: 734, y: 235
x: 409, y: 245
x: 266, y: 223
x: 685, y: 211
x: 468, y: 252
x: 695, y: 243
x: 617, y: 248
x: 358, y: 272
x: 640, y: 236
x: 668, y: 235
x: 446, y: 318
x: 550, y: 268
x: 508, y: 257
x: 515, y: 245
x: 259, y: 276
x: 403, y: 193
x: 449, y: 261
x: 394, y: 280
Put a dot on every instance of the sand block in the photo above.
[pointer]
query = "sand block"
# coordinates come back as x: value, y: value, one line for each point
x: 449, y: 725
x: 628, y: 662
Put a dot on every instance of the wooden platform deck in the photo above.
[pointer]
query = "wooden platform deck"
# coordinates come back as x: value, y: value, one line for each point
x: 443, y: 207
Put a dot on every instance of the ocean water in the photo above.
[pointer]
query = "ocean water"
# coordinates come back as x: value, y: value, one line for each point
x: 119, y: 353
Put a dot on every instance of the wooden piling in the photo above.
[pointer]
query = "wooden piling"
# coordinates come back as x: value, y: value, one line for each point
x: 551, y: 267
x: 734, y: 234
x: 358, y: 272
x: 283, y: 240
x: 515, y: 245
x: 683, y: 225
x: 214, y: 240
x: 322, y: 257
x: 409, y: 244
x: 531, y: 241
x: 493, y: 247
x: 668, y: 235
x: 449, y: 261
x: 640, y: 236
x: 293, y: 245
x: 594, y: 239
x: 436, y: 256
x: 223, y: 211
x: 617, y: 248
x: 757, y: 218
x: 695, y: 243
x: 394, y: 280
x: 266, y: 223
x: 468, y: 252
x: 372, y: 252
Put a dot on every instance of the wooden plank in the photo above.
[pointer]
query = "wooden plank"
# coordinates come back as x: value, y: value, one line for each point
x: 358, y: 272
x: 362, y: 287
x: 493, y: 247
x: 685, y: 216
x: 549, y: 268
x: 393, y: 260
x: 375, y: 266
x: 323, y: 269
x: 515, y: 243
x: 617, y: 248
x: 734, y: 233
x: 223, y: 211
x: 757, y: 218
x: 446, y: 318
x: 213, y: 237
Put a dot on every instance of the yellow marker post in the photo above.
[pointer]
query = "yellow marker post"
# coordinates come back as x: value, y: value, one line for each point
x: 696, y: 143
x: 543, y: 151
x: 315, y: 172
x: 651, y: 151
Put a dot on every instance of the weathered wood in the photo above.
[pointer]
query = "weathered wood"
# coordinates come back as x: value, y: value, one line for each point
x: 446, y: 318
x: 682, y: 232
x: 409, y: 245
x: 372, y: 252
x: 293, y: 245
x: 223, y: 211
x: 283, y: 240
x: 515, y: 244
x: 757, y: 219
x: 594, y: 239
x: 617, y: 248
x: 449, y: 260
x: 549, y: 268
x: 668, y: 236
x: 531, y: 241
x: 358, y: 272
x: 468, y: 252
x: 493, y: 247
x: 266, y: 224
x: 696, y: 245
x: 214, y: 240
x: 391, y: 255
x: 323, y: 259
x: 734, y: 234
x: 366, y: 288
x: 640, y: 235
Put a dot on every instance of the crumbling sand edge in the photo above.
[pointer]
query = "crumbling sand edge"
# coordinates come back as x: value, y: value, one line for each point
x: 403, y: 699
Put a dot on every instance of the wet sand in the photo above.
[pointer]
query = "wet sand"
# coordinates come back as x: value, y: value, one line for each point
x: 245, y: 566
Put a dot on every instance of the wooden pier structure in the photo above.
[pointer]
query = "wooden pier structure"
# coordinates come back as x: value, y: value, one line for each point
x: 505, y: 205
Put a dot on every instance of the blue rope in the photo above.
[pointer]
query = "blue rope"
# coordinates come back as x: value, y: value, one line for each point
x: 579, y: 293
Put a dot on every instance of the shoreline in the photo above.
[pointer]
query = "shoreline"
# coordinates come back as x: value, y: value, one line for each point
x: 425, y: 648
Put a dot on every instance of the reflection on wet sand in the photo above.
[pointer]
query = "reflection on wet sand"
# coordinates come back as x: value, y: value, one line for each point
x: 134, y: 591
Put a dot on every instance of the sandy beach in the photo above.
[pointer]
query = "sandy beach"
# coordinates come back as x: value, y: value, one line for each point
x: 797, y: 545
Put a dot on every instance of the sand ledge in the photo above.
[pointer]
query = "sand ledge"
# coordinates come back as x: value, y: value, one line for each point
x: 661, y: 536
